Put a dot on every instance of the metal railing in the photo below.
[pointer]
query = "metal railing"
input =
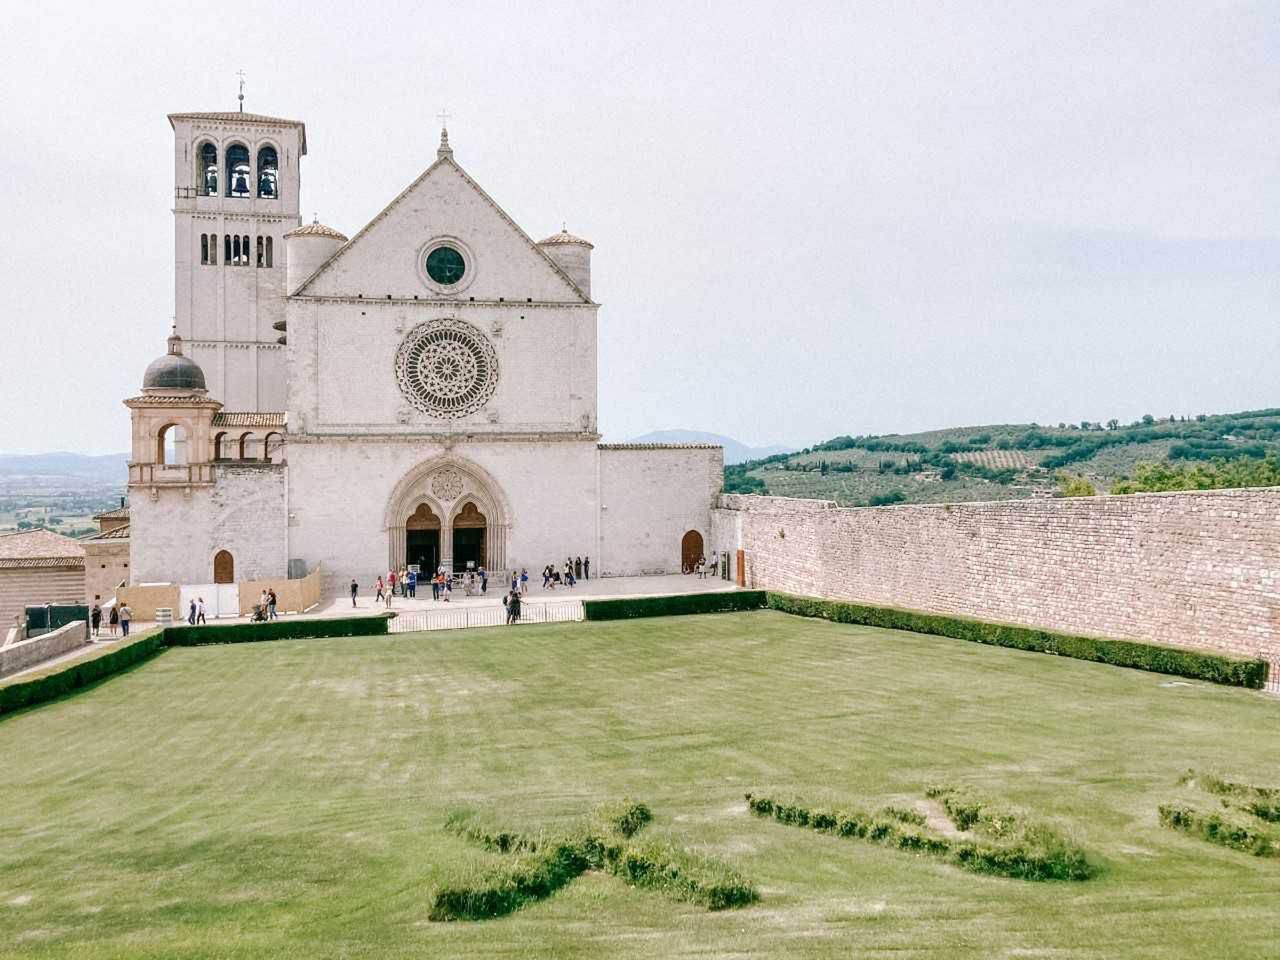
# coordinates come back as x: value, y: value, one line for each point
x: 487, y: 615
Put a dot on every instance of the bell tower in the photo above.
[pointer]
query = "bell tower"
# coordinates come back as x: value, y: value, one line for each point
x: 237, y: 178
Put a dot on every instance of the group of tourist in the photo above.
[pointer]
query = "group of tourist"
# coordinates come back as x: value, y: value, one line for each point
x: 118, y: 617
x: 702, y: 569
x: 574, y: 569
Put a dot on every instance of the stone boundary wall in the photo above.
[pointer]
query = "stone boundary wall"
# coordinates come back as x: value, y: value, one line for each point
x: 292, y: 596
x: 1193, y: 568
x: 28, y: 653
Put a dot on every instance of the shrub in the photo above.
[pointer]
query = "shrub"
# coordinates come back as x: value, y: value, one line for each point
x: 1199, y: 664
x: 1019, y: 850
x: 510, y: 887
x: 685, y: 876
x: 188, y: 636
x: 1220, y: 828
x: 628, y: 607
x: 623, y: 817
x: 1262, y: 802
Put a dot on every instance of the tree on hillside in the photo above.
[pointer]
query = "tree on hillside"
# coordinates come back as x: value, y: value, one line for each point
x: 1163, y: 476
x: 1075, y: 485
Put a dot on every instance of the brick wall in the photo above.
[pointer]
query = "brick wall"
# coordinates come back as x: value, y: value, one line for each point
x: 1199, y: 568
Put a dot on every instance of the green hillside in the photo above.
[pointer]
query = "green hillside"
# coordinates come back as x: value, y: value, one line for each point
x: 1013, y: 460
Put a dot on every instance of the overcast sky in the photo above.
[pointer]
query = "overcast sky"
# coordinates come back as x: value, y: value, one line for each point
x: 808, y: 219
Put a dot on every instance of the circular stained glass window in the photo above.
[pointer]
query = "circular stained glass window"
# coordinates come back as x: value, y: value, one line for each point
x: 445, y: 265
x: 447, y: 368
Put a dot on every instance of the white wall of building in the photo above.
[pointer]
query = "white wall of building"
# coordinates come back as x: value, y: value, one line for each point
x: 173, y: 537
x: 650, y: 497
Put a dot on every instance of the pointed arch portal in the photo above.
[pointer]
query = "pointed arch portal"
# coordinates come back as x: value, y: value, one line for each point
x: 451, y: 510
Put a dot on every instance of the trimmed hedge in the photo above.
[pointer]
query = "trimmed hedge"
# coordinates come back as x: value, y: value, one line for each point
x: 1182, y: 662
x: 600, y: 843
x: 81, y: 673
x: 1009, y: 848
x: 189, y: 636
x: 1221, y: 828
x: 625, y: 608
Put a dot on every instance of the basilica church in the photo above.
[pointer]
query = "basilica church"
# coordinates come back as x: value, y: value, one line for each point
x: 423, y: 393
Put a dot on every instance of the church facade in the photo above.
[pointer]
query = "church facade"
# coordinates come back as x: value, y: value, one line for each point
x: 423, y: 393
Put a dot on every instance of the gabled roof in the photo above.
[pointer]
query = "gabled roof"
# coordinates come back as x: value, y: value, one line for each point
x: 39, y: 548
x: 117, y: 533
x: 234, y: 116
x: 119, y: 513
x: 442, y: 161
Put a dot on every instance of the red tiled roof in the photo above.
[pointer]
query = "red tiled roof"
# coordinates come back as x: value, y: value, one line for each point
x: 249, y: 419
x: 119, y: 533
x: 39, y: 544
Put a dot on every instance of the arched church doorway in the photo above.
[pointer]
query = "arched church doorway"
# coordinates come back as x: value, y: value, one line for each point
x: 422, y: 540
x: 690, y: 550
x: 224, y: 567
x: 468, y: 538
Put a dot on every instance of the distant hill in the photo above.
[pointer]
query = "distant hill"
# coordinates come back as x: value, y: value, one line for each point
x: 107, y: 468
x: 734, y: 450
x: 999, y: 461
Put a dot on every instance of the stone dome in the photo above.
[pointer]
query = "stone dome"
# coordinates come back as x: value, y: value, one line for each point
x: 316, y: 229
x: 564, y: 236
x: 173, y: 371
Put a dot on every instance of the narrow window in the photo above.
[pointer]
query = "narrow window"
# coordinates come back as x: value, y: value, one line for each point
x: 213, y: 248
x: 238, y: 172
x: 259, y: 261
x: 268, y: 251
x: 235, y: 250
x: 208, y: 170
x: 226, y: 249
x: 204, y: 248
x: 268, y: 173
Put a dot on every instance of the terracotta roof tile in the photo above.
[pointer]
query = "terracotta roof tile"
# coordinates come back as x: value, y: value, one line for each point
x: 119, y: 513
x: 39, y: 545
x: 119, y: 533
x: 661, y: 446
x: 249, y: 419
x: 316, y: 230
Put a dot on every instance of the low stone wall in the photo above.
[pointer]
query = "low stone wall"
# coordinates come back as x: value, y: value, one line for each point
x: 1196, y: 568
x: 143, y: 600
x: 292, y: 596
x: 28, y: 653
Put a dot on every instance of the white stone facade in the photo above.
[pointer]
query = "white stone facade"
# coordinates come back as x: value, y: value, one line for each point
x: 436, y: 385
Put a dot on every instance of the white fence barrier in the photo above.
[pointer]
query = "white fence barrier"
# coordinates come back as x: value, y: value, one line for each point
x: 488, y: 615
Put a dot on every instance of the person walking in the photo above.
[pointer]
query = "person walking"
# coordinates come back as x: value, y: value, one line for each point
x: 513, y: 609
x: 191, y: 614
x: 355, y: 588
x: 448, y: 587
x: 380, y: 590
x: 484, y: 580
x: 95, y: 617
x: 200, y: 610
x: 412, y: 584
x: 114, y: 619
x: 586, y: 569
x: 272, y: 601
x: 125, y: 616
x: 577, y: 568
x: 391, y: 581
x: 524, y: 581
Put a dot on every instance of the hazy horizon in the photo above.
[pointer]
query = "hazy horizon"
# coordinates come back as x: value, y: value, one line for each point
x: 838, y: 218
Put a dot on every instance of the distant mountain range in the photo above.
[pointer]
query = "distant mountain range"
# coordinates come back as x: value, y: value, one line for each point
x: 734, y: 450
x: 106, y: 468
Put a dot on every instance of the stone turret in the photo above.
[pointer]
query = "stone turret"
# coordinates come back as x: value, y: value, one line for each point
x: 306, y: 248
x: 572, y: 255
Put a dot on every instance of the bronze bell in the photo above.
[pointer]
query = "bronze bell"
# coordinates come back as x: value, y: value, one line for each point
x: 242, y: 185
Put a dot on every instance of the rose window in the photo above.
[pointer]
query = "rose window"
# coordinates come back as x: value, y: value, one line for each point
x: 447, y: 368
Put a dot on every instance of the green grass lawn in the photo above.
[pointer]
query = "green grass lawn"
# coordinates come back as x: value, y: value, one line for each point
x: 287, y: 799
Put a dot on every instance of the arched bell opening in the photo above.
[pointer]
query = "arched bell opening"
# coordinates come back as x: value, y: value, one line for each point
x: 171, y: 447
x: 208, y: 172
x: 268, y: 173
x: 422, y: 540
x: 273, y: 447
x: 238, y: 172
x: 469, y: 529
